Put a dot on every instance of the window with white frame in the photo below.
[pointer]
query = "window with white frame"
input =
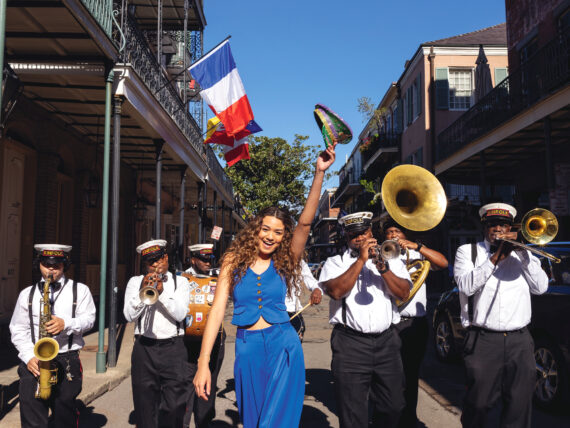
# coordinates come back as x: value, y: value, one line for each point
x: 460, y: 89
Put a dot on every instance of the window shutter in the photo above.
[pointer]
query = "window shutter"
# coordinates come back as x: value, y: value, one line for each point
x: 500, y: 75
x: 410, y: 111
x: 419, y: 97
x: 441, y: 89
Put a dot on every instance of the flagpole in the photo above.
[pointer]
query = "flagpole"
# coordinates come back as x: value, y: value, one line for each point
x: 186, y: 69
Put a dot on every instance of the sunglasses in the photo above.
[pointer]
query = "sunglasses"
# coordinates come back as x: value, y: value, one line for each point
x: 51, y: 263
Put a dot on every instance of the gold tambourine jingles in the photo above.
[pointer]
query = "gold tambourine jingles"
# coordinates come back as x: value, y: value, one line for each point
x: 332, y: 126
x: 415, y: 199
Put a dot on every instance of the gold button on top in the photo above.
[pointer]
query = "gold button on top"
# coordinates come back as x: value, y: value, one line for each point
x: 258, y: 278
x: 260, y: 306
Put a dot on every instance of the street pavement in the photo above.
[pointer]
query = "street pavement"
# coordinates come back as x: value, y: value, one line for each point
x: 106, y: 399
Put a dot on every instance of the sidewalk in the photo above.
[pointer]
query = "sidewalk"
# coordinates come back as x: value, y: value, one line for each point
x: 94, y: 384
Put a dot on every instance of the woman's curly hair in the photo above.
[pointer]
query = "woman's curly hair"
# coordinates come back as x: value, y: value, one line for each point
x: 243, y: 251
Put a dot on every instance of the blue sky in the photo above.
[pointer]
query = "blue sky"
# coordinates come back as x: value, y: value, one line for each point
x: 294, y: 54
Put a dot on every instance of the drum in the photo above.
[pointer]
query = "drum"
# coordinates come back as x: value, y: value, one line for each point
x: 202, y: 289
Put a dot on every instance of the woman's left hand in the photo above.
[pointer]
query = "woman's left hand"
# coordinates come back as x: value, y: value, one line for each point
x: 326, y: 158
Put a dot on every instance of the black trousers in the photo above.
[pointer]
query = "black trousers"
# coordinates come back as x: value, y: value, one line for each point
x: 367, y: 367
x: 204, y: 411
x: 298, y: 324
x: 160, y: 377
x: 499, y: 365
x: 34, y: 412
x: 413, y: 334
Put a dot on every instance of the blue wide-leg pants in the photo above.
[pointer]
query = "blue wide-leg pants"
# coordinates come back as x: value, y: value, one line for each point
x: 269, y: 373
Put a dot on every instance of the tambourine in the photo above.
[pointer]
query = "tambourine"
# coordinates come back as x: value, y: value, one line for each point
x: 332, y: 126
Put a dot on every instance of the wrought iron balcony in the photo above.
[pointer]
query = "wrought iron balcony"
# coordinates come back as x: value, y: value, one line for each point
x: 377, y: 142
x: 349, y: 184
x: 102, y: 11
x: 544, y: 73
x: 217, y: 170
x: 139, y: 55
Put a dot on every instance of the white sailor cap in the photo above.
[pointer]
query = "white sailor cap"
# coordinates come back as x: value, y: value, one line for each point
x: 52, y: 250
x: 356, y: 222
x: 202, y: 249
x: 152, y: 249
x: 497, y: 211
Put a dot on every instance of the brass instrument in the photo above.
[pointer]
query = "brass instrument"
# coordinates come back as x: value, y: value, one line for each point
x: 415, y: 199
x: 538, y: 226
x: 46, y: 348
x: 149, y: 294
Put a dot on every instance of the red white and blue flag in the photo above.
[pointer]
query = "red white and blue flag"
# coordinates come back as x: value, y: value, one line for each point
x: 235, y: 147
x: 222, y: 88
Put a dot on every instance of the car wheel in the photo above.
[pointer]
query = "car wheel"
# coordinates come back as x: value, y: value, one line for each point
x: 443, y: 340
x: 550, y: 375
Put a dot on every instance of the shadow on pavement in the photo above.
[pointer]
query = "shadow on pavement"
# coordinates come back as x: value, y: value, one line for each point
x: 312, y: 417
x: 320, y: 385
x: 88, y: 419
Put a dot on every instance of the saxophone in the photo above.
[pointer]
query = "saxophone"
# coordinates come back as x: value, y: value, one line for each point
x: 46, y: 348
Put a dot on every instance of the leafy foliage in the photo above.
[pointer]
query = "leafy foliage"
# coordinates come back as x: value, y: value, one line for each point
x: 370, y: 113
x: 275, y: 174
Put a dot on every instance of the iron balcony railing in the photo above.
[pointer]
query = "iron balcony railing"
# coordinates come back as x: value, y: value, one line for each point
x: 102, y: 11
x: 350, y: 179
x: 217, y: 170
x: 544, y: 73
x: 378, y: 142
x: 143, y: 62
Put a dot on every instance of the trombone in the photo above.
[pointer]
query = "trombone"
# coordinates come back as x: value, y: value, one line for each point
x: 538, y: 226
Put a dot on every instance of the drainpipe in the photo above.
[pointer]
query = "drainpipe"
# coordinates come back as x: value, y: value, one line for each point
x: 158, y: 144
x: 3, y: 6
x: 100, y: 360
x: 112, y: 350
x: 433, y: 140
x: 181, y: 221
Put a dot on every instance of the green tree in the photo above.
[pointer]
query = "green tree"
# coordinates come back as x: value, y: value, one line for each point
x: 275, y: 175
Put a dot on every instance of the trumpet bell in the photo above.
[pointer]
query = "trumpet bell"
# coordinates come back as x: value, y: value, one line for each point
x: 390, y: 250
x: 46, y: 349
x: 539, y: 226
x: 414, y: 197
x: 148, y: 295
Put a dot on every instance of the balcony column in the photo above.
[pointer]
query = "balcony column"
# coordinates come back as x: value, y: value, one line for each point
x: 215, y: 208
x: 3, y: 6
x: 159, y: 33
x: 159, y: 144
x: 222, y: 240
x: 550, y: 182
x: 200, y: 186
x: 482, y: 183
x: 181, y: 221
x: 112, y: 348
x: 204, y: 212
x: 100, y: 358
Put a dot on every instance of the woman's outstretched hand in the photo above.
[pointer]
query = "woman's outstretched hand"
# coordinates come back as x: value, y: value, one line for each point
x: 326, y: 158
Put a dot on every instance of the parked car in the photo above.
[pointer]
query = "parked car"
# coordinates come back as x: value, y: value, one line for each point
x: 549, y: 327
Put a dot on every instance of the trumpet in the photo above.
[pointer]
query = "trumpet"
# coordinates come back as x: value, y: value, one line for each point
x: 388, y: 250
x: 149, y: 294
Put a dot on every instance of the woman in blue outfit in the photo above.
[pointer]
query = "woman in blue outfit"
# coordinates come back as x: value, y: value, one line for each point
x: 259, y: 269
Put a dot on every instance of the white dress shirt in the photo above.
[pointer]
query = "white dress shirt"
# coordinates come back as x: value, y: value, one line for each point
x: 417, y: 306
x: 370, y: 306
x: 293, y: 303
x: 62, y: 308
x: 502, y: 292
x: 158, y: 321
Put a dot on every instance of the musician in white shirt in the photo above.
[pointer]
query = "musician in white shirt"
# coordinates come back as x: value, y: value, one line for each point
x: 159, y: 373
x: 498, y: 350
x: 293, y: 303
x: 366, y: 364
x: 68, y: 322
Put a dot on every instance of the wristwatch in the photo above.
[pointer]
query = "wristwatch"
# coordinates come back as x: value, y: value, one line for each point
x: 386, y: 268
x: 420, y: 245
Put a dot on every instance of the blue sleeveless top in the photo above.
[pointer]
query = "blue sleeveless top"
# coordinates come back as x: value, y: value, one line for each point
x: 260, y: 296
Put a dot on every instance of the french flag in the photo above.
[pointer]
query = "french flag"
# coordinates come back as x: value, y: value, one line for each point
x: 222, y: 88
x: 235, y: 148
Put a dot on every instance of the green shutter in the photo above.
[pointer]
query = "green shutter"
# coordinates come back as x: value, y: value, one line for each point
x: 500, y: 75
x: 441, y: 89
x: 410, y: 111
x: 419, y: 97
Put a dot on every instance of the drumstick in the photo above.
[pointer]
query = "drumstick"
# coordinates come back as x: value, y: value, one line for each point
x: 306, y: 306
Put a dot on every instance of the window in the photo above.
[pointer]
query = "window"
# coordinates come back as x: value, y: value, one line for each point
x: 389, y: 124
x: 460, y: 89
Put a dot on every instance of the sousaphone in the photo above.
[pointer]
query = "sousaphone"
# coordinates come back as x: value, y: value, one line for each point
x: 415, y: 199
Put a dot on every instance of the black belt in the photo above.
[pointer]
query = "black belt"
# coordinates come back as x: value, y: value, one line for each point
x: 68, y: 353
x: 148, y: 341
x: 354, y: 332
x: 505, y: 333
